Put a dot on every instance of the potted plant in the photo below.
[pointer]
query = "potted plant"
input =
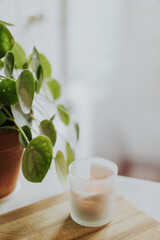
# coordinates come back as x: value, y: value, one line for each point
x: 21, y: 83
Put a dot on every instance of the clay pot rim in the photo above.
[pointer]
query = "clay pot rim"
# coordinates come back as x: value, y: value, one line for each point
x: 7, y: 131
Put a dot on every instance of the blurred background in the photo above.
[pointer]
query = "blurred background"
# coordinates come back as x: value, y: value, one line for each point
x: 106, y: 55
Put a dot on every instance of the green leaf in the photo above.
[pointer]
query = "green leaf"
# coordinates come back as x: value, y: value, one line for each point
x: 8, y: 94
x: 47, y: 70
x: 47, y: 128
x: 35, y: 59
x: 25, y: 65
x: 40, y: 59
x: 70, y: 154
x: 20, y: 117
x: 61, y: 168
x: 1, y: 64
x: 64, y: 116
x: 52, y: 118
x: 6, y: 40
x: 39, y: 80
x: 28, y: 134
x: 25, y: 89
x: 6, y: 23
x: 54, y: 88
x: 19, y: 56
x: 9, y: 64
x: 2, y: 118
x: 76, y: 125
x: 37, y: 159
x: 29, y: 61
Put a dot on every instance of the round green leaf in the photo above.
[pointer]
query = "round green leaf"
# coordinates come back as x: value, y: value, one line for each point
x: 6, y: 40
x: 9, y: 64
x: 47, y: 70
x: 20, y: 117
x: 70, y: 154
x: 54, y: 88
x: 37, y: 159
x: 2, y: 118
x: 64, y: 116
x: 8, y: 94
x: 76, y: 125
x: 25, y: 89
x: 61, y: 168
x: 1, y: 64
x: 19, y: 56
x: 39, y: 78
x: 28, y: 134
x: 47, y: 128
x: 35, y: 59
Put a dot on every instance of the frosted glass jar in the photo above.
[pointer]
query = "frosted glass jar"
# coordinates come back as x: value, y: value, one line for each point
x: 92, y: 191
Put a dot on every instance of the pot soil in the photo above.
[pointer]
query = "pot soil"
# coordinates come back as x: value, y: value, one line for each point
x: 10, y: 161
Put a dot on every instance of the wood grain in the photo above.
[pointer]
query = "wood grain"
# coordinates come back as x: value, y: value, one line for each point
x: 50, y: 219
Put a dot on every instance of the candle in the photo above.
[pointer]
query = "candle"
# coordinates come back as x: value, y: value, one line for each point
x: 92, y: 191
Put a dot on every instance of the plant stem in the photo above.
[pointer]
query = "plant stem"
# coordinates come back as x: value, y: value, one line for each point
x: 36, y: 121
x: 9, y: 127
x: 8, y: 113
x: 10, y: 119
x: 22, y: 132
x: 64, y: 139
x: 19, y: 128
x: 46, y: 99
x: 12, y: 79
x: 52, y: 118
x: 39, y: 109
x: 34, y: 131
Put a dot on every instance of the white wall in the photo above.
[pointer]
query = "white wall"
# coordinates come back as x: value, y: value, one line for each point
x: 114, y: 47
x: 38, y: 23
x: 108, y: 54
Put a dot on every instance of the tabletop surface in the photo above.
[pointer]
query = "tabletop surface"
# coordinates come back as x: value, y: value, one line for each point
x: 50, y: 219
x: 143, y: 194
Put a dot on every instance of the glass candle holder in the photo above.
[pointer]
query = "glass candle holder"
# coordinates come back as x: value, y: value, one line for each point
x: 92, y: 191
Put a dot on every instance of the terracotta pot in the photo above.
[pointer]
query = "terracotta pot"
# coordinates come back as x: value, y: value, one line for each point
x: 10, y: 161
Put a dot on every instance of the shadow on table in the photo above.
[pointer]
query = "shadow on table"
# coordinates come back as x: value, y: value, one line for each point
x: 70, y: 230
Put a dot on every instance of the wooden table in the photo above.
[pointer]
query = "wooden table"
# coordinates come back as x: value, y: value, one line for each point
x: 143, y: 194
x: 50, y: 219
